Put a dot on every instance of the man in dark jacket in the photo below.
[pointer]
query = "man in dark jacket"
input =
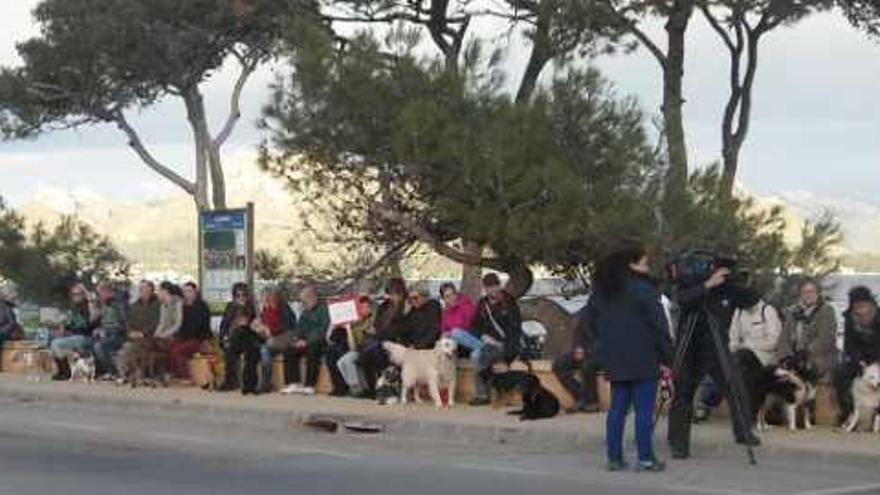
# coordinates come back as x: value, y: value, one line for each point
x: 861, y: 344
x: 389, y: 326
x: 499, y: 325
x: 713, y: 299
x: 421, y: 326
x: 8, y: 321
x: 581, y: 363
x: 195, y: 329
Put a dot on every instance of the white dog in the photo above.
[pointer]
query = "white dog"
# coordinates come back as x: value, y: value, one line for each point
x: 434, y: 368
x: 866, y: 400
x: 82, y: 367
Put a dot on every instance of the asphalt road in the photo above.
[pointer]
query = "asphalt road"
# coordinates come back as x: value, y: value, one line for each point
x: 81, y: 450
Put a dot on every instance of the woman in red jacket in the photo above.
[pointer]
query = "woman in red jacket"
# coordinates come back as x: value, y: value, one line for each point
x: 275, y: 325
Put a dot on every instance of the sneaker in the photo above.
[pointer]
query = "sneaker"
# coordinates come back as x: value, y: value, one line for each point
x: 652, y: 466
x: 701, y: 415
x: 616, y: 466
x: 307, y: 391
x: 293, y: 388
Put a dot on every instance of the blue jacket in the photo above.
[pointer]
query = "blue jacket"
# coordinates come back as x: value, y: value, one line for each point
x: 632, y: 331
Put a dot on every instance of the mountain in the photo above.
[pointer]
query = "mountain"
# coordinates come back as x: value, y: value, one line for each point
x: 159, y: 235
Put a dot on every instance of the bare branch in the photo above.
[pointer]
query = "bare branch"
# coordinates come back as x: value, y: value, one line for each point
x: 716, y: 25
x: 137, y: 145
x: 247, y: 69
x: 640, y: 35
x: 439, y: 246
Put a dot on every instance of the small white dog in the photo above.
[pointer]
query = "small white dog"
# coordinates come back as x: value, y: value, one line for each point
x: 82, y: 367
x: 434, y: 368
x: 866, y: 400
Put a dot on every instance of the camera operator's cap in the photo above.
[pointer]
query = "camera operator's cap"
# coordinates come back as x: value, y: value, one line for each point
x: 861, y: 294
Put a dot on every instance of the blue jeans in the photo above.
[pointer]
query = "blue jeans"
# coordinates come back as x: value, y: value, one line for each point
x: 467, y: 340
x: 641, y: 394
x: 63, y: 346
x: 710, y: 395
x: 106, y: 348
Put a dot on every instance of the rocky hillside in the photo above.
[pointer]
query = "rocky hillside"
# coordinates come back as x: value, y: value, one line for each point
x: 159, y: 235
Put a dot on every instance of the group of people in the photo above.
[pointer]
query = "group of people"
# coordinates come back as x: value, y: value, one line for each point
x: 490, y: 330
x: 623, y: 330
x: 173, y: 323
x: 170, y: 320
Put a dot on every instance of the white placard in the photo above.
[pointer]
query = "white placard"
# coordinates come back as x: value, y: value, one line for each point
x: 343, y: 312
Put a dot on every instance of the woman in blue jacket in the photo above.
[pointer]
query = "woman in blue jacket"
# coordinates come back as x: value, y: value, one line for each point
x: 634, y: 343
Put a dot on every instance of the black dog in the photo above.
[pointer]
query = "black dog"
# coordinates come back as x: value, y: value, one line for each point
x: 537, y: 401
x: 791, y: 385
x: 388, y: 386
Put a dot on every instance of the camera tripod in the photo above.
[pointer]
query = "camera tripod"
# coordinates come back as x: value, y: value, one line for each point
x: 732, y: 377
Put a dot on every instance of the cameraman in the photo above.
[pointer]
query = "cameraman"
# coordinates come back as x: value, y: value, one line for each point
x: 711, y: 300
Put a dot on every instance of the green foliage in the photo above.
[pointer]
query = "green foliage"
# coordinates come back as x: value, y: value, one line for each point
x: 268, y: 265
x: 738, y: 226
x: 411, y: 151
x: 96, y: 57
x: 733, y: 226
x: 44, y: 263
x: 863, y: 14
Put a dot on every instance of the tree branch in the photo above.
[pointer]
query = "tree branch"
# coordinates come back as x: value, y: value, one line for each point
x: 134, y: 141
x: 716, y: 25
x: 248, y: 68
x: 640, y: 35
x: 440, y: 247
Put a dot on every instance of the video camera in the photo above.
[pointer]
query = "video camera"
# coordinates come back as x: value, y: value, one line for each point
x: 695, y: 267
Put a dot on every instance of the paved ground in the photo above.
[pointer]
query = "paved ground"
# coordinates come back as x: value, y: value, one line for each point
x: 85, y: 450
x: 464, y: 425
x: 87, y: 446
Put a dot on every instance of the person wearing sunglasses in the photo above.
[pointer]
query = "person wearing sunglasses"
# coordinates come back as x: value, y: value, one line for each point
x: 241, y: 296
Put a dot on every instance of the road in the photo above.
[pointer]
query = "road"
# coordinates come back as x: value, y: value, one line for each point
x: 80, y: 450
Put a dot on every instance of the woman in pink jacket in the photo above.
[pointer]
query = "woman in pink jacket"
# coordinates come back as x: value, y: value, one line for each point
x: 458, y: 316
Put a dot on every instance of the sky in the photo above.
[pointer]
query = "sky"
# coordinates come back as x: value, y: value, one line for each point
x: 815, y: 128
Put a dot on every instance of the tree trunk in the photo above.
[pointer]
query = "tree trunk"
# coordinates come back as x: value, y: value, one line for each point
x: 538, y: 59
x: 471, y: 275
x: 521, y: 279
x: 730, y: 154
x: 741, y: 101
x: 195, y: 114
x: 673, y: 101
x: 218, y: 181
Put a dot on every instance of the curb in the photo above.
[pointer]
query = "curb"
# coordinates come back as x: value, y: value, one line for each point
x: 403, y: 428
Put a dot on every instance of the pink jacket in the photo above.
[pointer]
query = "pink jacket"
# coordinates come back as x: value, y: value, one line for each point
x: 459, y: 315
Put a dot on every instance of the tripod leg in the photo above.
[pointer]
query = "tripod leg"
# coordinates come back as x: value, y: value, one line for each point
x: 679, y: 419
x: 736, y: 391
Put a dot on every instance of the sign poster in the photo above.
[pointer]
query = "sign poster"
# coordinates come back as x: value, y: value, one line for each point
x: 226, y: 253
x: 343, y: 311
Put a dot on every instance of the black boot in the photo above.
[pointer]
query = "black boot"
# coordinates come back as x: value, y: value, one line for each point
x: 62, y: 370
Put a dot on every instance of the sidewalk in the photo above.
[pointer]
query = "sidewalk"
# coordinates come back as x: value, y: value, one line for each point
x: 463, y: 424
